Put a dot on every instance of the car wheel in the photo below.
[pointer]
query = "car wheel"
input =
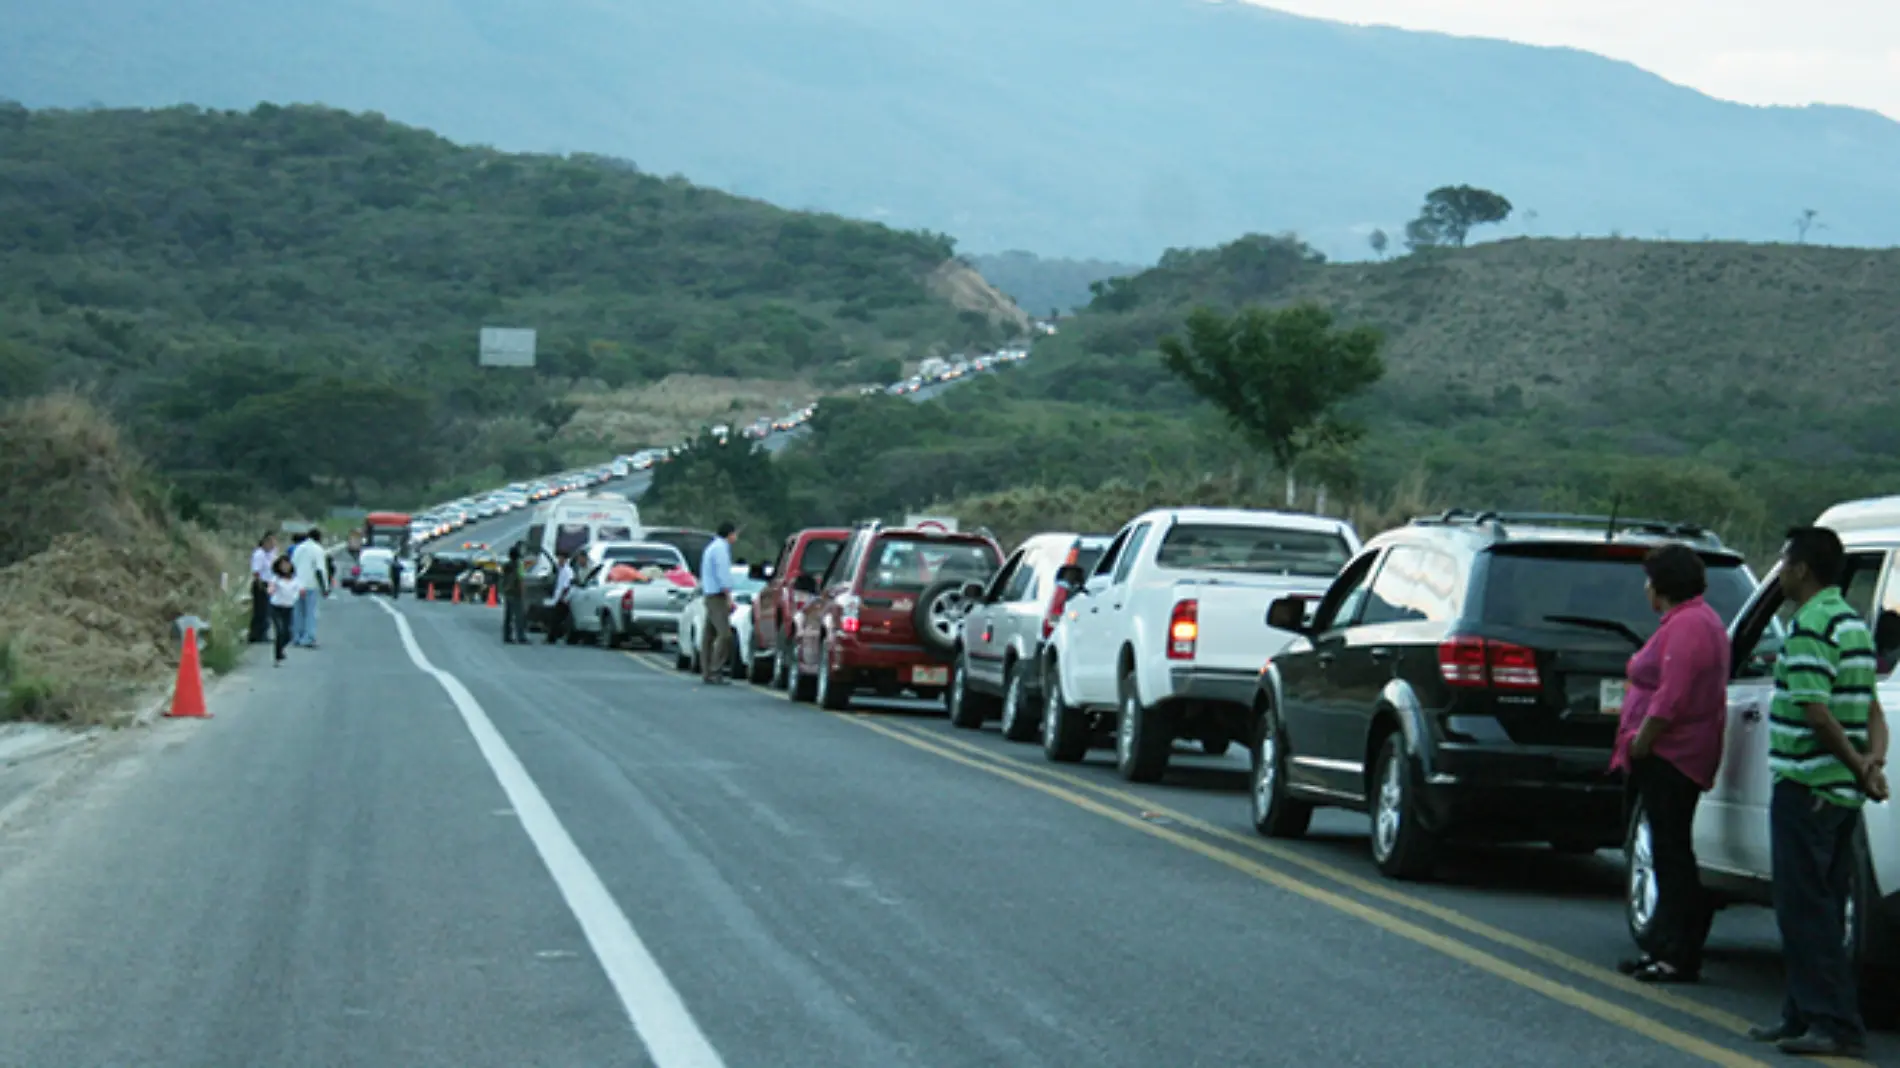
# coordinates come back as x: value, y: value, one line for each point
x: 1401, y: 846
x: 605, y: 639
x: 784, y: 666
x: 964, y: 707
x: 938, y: 617
x: 833, y: 694
x: 1019, y: 708
x: 1275, y: 815
x: 1065, y: 731
x: 680, y: 660
x: 762, y: 670
x: 1640, y: 895
x: 1142, y: 744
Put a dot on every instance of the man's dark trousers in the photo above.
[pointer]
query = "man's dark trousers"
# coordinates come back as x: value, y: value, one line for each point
x: 1815, y: 846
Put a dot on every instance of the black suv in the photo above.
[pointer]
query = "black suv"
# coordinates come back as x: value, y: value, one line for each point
x: 1462, y: 679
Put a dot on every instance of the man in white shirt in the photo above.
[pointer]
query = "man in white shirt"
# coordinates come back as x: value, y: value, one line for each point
x: 313, y: 574
x: 261, y: 558
x: 715, y: 586
x: 560, y: 621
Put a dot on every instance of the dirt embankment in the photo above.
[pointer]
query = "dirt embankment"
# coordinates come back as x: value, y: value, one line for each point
x: 93, y: 567
x: 958, y: 283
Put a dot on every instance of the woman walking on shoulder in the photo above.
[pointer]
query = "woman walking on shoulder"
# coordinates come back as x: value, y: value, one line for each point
x: 284, y: 591
x: 1669, y: 744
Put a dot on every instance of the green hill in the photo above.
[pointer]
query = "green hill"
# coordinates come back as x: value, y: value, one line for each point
x: 1750, y: 378
x: 295, y: 292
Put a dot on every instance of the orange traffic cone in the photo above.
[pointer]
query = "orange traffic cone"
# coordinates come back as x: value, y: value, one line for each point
x: 431, y: 591
x: 491, y: 596
x: 188, y: 697
x: 456, y: 597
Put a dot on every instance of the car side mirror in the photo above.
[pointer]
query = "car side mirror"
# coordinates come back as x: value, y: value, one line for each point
x: 1289, y: 614
x: 1071, y: 576
x: 973, y: 591
x: 805, y: 584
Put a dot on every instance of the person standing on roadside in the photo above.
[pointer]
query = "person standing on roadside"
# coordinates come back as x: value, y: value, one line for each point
x: 262, y: 559
x: 514, y: 614
x: 1669, y: 745
x: 284, y: 591
x: 1828, y: 754
x: 313, y: 574
x: 558, y: 619
x: 715, y: 585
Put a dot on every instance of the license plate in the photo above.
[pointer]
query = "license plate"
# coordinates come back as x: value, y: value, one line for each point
x: 1610, y: 697
x: 930, y: 676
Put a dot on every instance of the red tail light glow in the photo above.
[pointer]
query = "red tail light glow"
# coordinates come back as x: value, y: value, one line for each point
x: 1184, y: 630
x: 1056, y: 605
x: 1478, y: 663
x: 848, y: 624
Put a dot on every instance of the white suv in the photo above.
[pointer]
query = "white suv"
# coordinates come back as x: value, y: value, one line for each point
x: 1731, y: 823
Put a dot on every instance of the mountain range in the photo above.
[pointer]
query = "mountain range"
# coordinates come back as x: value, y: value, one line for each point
x: 1106, y: 129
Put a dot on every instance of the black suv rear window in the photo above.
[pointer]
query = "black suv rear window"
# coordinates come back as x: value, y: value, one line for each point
x: 1524, y: 590
x: 1255, y: 550
x: 914, y: 563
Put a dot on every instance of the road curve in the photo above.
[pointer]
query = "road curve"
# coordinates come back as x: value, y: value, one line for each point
x: 440, y: 850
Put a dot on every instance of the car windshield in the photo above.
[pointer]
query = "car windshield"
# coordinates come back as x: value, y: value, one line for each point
x: 914, y: 563
x: 1527, y: 590
x: 1253, y: 550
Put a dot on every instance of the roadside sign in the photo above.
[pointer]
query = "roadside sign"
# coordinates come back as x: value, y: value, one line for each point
x: 507, y: 347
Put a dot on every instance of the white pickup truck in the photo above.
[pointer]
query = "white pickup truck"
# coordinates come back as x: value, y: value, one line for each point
x: 1167, y: 637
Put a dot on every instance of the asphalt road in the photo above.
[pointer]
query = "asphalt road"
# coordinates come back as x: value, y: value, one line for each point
x: 417, y: 846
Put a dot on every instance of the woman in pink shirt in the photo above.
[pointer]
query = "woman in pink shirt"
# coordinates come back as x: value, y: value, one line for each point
x: 1669, y: 744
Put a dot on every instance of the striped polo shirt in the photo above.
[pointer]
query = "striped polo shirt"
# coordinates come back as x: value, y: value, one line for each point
x: 1828, y: 659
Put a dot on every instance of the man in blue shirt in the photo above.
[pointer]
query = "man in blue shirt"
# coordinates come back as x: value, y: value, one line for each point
x: 715, y: 585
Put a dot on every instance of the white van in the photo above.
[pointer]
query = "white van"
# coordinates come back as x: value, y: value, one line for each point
x: 565, y: 524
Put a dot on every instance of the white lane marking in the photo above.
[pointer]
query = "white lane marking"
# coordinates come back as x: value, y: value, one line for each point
x: 672, y: 1037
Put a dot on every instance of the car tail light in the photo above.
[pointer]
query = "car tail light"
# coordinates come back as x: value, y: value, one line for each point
x: 626, y: 603
x: 848, y: 623
x: 356, y: 572
x: 1056, y: 605
x: 1184, y: 629
x: 1476, y: 663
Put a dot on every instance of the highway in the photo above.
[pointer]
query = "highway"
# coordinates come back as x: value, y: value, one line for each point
x: 419, y: 847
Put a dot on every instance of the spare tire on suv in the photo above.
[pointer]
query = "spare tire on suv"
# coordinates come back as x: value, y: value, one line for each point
x: 939, y: 613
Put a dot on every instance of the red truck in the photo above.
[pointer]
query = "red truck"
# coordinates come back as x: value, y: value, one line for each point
x: 886, y: 614
x: 776, y: 608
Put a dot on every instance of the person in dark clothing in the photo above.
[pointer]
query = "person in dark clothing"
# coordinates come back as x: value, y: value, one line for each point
x: 514, y: 610
x: 262, y: 559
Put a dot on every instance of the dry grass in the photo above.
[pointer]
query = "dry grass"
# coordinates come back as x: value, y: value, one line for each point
x: 1598, y: 320
x: 1017, y: 513
x: 95, y: 571
x: 679, y: 406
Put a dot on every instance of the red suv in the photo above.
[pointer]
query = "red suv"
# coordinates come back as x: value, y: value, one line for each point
x: 886, y: 614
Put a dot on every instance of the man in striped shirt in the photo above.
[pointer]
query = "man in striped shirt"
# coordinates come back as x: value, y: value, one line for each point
x: 1828, y: 753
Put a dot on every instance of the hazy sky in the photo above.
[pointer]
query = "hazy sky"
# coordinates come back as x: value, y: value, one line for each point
x: 1753, y: 51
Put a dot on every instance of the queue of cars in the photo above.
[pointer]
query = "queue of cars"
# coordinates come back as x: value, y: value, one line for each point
x: 1458, y: 679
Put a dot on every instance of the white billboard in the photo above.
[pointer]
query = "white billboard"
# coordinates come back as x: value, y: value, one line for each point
x: 505, y: 347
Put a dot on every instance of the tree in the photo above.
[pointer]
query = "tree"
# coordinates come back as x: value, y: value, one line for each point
x: 1278, y: 374
x: 1450, y: 212
x: 1379, y: 242
x: 1805, y: 223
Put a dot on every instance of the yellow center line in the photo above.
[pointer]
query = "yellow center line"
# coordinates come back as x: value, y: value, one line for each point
x: 1599, y: 1007
x: 1709, y: 1014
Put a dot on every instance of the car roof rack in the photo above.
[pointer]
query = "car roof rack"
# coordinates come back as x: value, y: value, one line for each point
x: 1609, y: 525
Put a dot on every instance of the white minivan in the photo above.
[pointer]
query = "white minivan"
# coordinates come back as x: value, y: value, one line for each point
x: 565, y: 524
